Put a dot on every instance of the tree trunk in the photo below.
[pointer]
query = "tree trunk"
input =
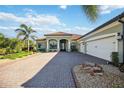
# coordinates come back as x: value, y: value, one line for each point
x: 28, y: 46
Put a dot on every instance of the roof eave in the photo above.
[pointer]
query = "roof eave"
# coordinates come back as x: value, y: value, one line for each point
x: 105, y: 24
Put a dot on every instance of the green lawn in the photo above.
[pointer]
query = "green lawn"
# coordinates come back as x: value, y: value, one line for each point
x: 15, y: 55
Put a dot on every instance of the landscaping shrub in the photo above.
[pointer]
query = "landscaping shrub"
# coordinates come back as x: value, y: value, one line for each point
x: 121, y: 67
x: 115, y: 60
x: 13, y: 46
x: 117, y: 86
x: 42, y: 50
x: 2, y: 51
x: 16, y: 55
x: 8, y: 50
x: 1, y: 57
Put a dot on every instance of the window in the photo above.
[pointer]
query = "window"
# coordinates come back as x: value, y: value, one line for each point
x: 73, y: 46
x: 53, y: 44
x: 39, y: 45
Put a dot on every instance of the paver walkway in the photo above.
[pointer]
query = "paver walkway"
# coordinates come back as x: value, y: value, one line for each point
x: 14, y: 74
x: 57, y: 73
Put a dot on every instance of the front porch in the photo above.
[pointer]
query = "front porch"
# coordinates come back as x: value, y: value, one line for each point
x: 58, y: 45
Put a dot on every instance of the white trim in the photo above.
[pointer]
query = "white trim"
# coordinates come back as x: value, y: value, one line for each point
x: 100, y: 37
x: 116, y: 48
x: 103, y: 29
x: 69, y: 45
x: 81, y: 42
x: 47, y: 45
x: 58, y: 45
x: 58, y: 37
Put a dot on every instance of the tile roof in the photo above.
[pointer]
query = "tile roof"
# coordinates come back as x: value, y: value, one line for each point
x: 73, y: 36
x: 58, y: 34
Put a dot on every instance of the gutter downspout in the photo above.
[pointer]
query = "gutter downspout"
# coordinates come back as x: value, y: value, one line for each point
x: 121, y: 21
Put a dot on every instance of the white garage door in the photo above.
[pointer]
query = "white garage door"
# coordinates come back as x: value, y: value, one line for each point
x: 102, y: 48
x: 82, y: 48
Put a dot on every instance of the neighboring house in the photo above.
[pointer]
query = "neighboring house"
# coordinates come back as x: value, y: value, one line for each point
x: 100, y: 42
x: 58, y: 41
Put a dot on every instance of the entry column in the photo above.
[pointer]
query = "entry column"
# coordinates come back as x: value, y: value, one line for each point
x: 58, y: 45
x: 47, y: 49
x: 69, y: 45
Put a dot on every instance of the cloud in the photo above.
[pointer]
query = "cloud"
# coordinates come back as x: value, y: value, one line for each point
x: 63, y: 7
x: 42, y: 30
x: 8, y: 27
x: 28, y: 10
x: 36, y: 19
x: 106, y: 9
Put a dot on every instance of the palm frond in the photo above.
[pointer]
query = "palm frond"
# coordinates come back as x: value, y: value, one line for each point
x: 25, y: 31
x: 31, y: 30
x: 25, y: 37
x: 24, y: 26
x: 91, y: 11
x: 33, y: 37
x: 21, y: 34
x: 20, y: 30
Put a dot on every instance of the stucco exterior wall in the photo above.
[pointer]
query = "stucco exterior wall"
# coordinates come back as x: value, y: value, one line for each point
x: 115, y: 29
x: 120, y: 49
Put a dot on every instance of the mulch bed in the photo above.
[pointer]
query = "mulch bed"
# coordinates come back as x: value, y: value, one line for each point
x: 107, y: 78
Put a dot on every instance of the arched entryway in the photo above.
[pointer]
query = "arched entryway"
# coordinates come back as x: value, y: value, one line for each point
x: 63, y: 45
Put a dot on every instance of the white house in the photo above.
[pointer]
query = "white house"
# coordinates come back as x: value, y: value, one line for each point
x: 100, y: 42
x: 58, y: 41
x: 104, y: 40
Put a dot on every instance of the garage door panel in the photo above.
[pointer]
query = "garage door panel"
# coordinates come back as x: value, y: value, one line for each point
x: 102, y: 48
x: 82, y: 48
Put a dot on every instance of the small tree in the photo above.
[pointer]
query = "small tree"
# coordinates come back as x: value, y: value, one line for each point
x: 26, y: 32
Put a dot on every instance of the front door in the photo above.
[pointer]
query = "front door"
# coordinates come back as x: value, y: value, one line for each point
x: 63, y: 48
x: 63, y: 45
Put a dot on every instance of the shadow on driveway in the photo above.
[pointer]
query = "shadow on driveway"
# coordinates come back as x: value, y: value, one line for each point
x: 57, y: 73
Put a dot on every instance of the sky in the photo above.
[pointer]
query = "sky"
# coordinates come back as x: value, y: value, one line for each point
x: 52, y: 18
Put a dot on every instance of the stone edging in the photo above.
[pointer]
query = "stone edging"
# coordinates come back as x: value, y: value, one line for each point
x: 77, y: 84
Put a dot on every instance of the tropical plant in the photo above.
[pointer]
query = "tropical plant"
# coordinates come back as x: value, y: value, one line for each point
x: 115, y: 59
x: 2, y: 39
x: 26, y: 33
x: 16, y: 45
x: 91, y: 11
x: 2, y: 51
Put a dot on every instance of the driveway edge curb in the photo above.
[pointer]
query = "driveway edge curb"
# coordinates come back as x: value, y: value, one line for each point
x: 77, y: 84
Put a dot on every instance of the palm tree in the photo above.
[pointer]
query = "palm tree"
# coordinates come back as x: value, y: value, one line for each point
x: 91, y: 11
x: 25, y: 32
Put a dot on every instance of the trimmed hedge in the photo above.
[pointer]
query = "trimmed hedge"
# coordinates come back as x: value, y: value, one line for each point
x: 115, y: 59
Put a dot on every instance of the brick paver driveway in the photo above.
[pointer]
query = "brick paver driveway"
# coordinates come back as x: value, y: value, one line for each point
x: 57, y: 73
x: 14, y: 74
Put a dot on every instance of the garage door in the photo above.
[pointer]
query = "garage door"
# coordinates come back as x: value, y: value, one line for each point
x: 82, y: 48
x: 102, y: 48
